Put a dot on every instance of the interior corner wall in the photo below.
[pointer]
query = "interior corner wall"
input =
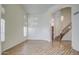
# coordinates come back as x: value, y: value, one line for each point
x: 39, y: 29
x: 75, y: 27
x: 14, y: 23
x: 66, y: 13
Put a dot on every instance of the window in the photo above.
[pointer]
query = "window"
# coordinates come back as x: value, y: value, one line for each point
x: 25, y: 31
x: 2, y: 30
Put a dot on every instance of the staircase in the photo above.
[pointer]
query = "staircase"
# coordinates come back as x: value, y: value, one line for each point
x: 64, y: 32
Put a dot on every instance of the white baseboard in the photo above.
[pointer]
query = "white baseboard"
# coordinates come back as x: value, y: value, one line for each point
x: 39, y: 39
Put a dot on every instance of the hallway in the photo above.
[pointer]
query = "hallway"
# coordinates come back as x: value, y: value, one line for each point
x: 35, y: 47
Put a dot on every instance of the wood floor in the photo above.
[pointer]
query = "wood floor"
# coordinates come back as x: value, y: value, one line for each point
x: 35, y: 47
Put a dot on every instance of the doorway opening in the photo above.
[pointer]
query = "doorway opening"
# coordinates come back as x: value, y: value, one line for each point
x: 61, y: 25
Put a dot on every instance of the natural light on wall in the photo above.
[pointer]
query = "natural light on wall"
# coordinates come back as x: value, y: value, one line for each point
x: 2, y: 30
x: 62, y: 18
x: 25, y: 31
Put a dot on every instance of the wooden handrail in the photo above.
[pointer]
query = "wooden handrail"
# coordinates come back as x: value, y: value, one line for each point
x: 64, y: 31
x: 67, y: 27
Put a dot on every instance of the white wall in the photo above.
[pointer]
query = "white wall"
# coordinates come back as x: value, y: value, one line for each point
x: 0, y: 29
x: 46, y: 26
x: 75, y: 27
x: 39, y: 27
x: 33, y: 27
x: 14, y: 21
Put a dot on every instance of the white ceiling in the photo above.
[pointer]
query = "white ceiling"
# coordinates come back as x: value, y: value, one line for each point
x: 36, y: 8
